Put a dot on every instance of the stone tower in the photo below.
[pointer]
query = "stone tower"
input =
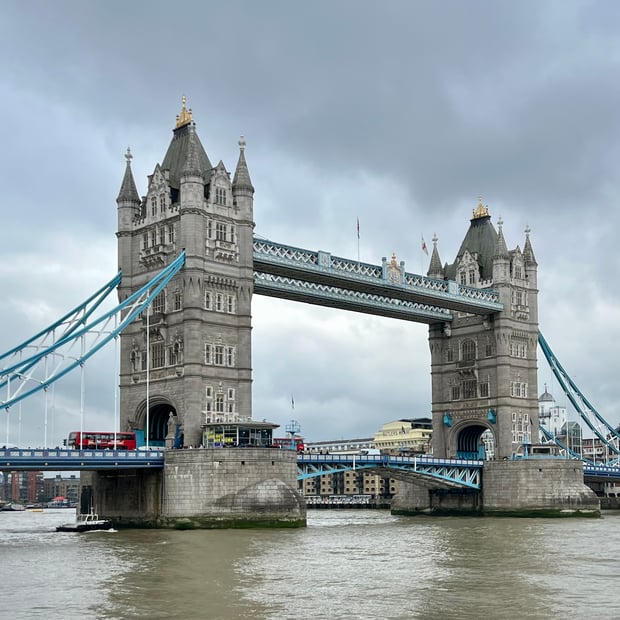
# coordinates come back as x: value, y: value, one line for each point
x: 484, y: 369
x: 199, y: 340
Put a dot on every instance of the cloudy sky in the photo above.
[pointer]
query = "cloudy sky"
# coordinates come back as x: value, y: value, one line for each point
x: 399, y: 113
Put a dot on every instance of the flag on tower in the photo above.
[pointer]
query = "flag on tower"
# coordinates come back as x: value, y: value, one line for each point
x: 292, y: 402
x: 424, y: 248
x: 358, y: 227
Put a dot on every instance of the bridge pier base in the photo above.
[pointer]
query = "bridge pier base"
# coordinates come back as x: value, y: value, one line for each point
x: 537, y: 488
x: 415, y: 499
x: 515, y: 488
x: 203, y: 488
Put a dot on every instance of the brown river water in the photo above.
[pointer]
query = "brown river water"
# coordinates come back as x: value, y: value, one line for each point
x: 346, y: 564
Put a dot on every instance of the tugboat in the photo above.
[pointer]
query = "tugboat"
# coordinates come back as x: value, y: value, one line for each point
x: 86, y: 523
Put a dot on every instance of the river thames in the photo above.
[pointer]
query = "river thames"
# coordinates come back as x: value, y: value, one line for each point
x: 346, y: 564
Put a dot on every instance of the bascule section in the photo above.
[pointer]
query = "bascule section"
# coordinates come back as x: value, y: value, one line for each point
x: 188, y: 358
x: 484, y: 369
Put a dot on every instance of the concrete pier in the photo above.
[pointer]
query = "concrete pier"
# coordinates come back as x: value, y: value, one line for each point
x: 203, y: 488
x: 516, y: 488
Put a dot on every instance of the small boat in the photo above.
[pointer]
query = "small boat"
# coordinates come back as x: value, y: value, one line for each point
x: 13, y: 507
x: 86, y: 523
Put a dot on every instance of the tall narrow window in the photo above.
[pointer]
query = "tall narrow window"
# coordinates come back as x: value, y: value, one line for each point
x: 208, y: 354
x: 219, y: 355
x: 178, y: 300
x: 220, y: 231
x: 208, y: 301
x: 159, y: 303
x: 220, y: 196
x: 158, y: 355
x: 468, y: 351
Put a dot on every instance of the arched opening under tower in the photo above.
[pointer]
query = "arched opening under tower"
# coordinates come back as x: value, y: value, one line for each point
x: 474, y: 442
x: 161, y: 415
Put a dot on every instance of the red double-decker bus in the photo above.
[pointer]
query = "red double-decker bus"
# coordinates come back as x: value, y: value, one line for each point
x: 89, y: 440
x: 285, y: 442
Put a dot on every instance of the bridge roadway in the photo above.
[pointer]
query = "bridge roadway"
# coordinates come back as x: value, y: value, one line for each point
x: 446, y: 473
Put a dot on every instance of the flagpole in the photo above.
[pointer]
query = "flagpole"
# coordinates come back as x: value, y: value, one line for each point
x: 358, y: 239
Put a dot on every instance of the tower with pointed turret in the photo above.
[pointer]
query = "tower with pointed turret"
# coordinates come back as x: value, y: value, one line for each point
x: 195, y: 361
x: 484, y: 369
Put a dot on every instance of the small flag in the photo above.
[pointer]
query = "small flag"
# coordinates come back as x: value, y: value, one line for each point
x: 424, y: 248
x: 292, y: 402
x: 358, y: 227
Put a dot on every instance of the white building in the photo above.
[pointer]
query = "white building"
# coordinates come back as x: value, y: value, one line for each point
x: 551, y: 415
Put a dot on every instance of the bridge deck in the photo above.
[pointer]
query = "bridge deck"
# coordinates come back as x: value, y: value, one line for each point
x: 79, y: 460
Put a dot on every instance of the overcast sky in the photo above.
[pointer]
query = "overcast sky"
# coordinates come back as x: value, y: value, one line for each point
x: 399, y: 113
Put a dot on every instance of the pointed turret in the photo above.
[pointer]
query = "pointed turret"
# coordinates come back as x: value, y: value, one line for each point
x: 191, y: 168
x: 128, y: 193
x: 531, y: 266
x: 501, y: 258
x: 435, y: 270
x: 528, y: 252
x: 501, y: 249
x: 241, y: 181
x: 128, y: 210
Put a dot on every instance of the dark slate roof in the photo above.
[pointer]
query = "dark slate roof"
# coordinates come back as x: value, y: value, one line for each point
x: 481, y: 238
x: 128, y: 191
x: 177, y: 153
x: 242, y: 179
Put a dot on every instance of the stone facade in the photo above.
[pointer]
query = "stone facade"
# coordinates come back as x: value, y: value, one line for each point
x: 537, y: 487
x: 201, y: 488
x: 198, y: 346
x: 224, y: 487
x: 484, y: 368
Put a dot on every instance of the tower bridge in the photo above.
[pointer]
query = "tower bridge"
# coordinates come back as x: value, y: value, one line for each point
x: 186, y: 351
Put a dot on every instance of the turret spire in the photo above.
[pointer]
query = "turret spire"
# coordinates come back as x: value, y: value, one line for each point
x: 241, y: 180
x: 185, y: 117
x: 528, y: 252
x: 501, y: 250
x: 191, y: 167
x: 435, y: 270
x: 128, y: 191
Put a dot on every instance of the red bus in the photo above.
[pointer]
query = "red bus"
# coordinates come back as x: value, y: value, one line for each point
x: 89, y: 440
x: 285, y: 443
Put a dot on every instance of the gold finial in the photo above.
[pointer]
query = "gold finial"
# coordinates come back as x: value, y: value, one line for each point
x: 186, y: 115
x: 394, y: 263
x: 481, y: 210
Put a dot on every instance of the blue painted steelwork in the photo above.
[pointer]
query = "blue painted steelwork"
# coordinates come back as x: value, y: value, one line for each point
x: 447, y: 473
x: 607, y: 472
x: 288, y: 272
x: 357, y: 301
x: 79, y: 460
x: 24, y: 369
x: 593, y: 419
x: 553, y: 439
